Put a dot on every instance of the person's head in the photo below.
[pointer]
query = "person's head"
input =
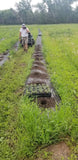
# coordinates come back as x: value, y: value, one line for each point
x: 23, y: 26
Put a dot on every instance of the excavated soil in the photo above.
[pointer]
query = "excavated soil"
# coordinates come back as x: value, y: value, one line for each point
x: 5, y: 53
x: 43, y: 69
x: 3, y: 58
x: 46, y: 102
x: 39, y: 76
x: 38, y: 71
x: 38, y: 58
x: 37, y: 55
x: 38, y: 63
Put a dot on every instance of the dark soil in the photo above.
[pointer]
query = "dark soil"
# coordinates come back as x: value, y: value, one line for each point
x: 38, y: 63
x: 3, y: 58
x: 5, y: 53
x: 37, y: 55
x: 38, y: 75
x: 39, y: 68
x: 46, y: 102
x: 38, y: 58
x: 39, y: 71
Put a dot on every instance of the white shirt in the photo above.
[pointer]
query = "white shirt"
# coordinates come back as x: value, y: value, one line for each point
x: 24, y: 32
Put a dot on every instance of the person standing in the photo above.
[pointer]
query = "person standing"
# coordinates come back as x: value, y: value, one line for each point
x: 24, y: 36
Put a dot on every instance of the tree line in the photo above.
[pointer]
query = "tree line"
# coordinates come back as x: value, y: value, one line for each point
x: 47, y: 12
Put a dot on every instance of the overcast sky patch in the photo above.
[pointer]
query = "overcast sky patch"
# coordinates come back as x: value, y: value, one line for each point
x: 6, y: 4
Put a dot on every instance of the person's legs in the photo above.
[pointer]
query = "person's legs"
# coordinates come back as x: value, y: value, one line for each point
x: 22, y: 41
x: 26, y: 43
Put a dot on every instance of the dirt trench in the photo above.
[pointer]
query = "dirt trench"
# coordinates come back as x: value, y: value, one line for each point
x: 5, y: 56
x: 38, y: 83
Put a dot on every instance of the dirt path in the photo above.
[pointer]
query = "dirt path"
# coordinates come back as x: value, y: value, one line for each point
x: 38, y: 83
x: 4, y: 56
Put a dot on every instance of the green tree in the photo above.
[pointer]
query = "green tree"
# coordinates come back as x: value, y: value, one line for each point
x: 59, y: 11
x: 9, y: 16
x: 41, y: 13
x: 25, y: 11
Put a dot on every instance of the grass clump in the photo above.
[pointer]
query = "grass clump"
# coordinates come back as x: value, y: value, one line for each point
x: 36, y: 128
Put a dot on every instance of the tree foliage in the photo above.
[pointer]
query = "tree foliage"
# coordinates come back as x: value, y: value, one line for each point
x: 47, y: 12
x: 25, y: 11
x: 9, y: 16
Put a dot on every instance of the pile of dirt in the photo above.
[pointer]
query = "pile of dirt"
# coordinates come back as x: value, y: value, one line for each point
x: 46, y: 102
x: 41, y: 68
x: 39, y: 76
x: 39, y: 63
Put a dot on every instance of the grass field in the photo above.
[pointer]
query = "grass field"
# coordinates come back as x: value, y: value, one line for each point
x: 24, y: 127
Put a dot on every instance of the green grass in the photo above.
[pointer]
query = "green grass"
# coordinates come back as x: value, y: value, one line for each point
x: 24, y: 126
x: 36, y: 128
x: 62, y: 64
x: 8, y: 37
x: 12, y: 81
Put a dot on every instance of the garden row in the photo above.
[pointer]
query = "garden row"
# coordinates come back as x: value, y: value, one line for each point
x: 24, y: 126
x: 38, y: 83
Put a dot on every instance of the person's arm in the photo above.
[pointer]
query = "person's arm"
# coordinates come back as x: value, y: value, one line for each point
x: 27, y: 30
